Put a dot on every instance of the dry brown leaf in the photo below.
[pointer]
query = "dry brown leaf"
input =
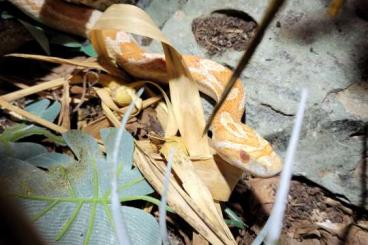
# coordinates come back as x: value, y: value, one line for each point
x: 199, y: 240
x: 177, y: 199
x: 194, y: 186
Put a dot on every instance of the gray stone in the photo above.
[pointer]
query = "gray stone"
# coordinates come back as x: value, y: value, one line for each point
x: 307, y: 50
x: 161, y: 10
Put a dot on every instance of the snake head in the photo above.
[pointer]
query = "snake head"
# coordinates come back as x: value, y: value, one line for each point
x: 264, y: 163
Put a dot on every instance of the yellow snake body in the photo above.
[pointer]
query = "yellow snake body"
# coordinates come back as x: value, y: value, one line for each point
x: 234, y: 141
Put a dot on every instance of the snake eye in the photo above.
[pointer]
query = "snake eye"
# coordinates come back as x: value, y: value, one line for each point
x: 244, y: 156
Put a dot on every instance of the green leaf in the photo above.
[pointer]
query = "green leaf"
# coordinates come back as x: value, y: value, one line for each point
x: 88, y: 50
x: 38, y: 34
x: 34, y: 154
x: 42, y: 109
x: 20, y: 131
x: 70, y: 203
x: 234, y: 220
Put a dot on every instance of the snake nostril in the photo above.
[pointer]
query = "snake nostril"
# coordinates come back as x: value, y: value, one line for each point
x: 244, y: 156
x: 209, y: 134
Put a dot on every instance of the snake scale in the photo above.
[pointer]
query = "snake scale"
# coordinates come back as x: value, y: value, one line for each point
x: 234, y: 141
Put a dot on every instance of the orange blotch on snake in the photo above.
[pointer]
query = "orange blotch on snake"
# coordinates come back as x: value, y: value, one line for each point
x: 244, y: 156
x: 130, y: 51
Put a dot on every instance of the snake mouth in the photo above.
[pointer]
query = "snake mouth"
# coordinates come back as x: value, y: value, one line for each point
x: 254, y: 168
x: 265, y: 167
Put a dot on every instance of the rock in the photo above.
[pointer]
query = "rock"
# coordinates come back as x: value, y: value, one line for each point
x: 161, y: 10
x: 351, y: 100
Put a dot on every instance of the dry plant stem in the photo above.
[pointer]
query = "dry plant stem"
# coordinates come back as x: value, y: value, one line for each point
x: 31, y: 117
x: 34, y: 89
x: 110, y: 115
x: 85, y: 64
x: 268, y: 17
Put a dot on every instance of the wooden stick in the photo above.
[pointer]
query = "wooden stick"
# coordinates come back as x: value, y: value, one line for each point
x: 33, y: 89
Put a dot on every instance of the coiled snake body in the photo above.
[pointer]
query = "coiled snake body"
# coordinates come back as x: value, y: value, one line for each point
x: 234, y: 141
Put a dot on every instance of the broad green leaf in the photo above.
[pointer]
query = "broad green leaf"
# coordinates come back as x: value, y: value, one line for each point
x: 126, y: 146
x: 42, y: 109
x: 35, y: 154
x: 70, y: 204
x: 38, y: 34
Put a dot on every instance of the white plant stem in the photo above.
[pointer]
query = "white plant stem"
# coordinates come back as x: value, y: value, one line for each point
x: 273, y: 226
x: 121, y: 231
x: 277, y: 214
x: 162, y: 207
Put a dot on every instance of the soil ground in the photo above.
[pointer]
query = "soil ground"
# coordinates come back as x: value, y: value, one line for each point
x: 219, y: 32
